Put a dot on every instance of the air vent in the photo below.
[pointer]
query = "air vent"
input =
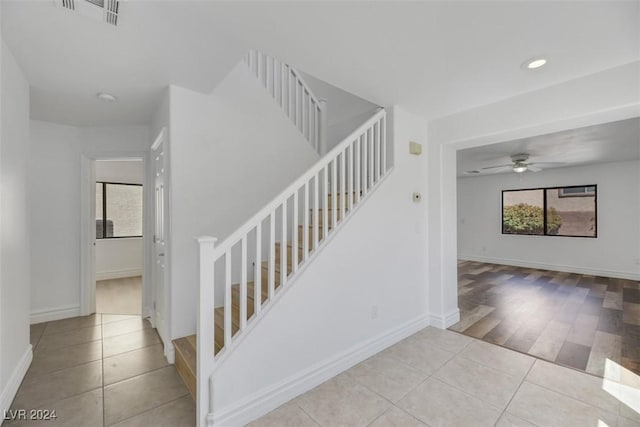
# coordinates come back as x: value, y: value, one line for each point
x: 101, y: 10
x: 473, y: 172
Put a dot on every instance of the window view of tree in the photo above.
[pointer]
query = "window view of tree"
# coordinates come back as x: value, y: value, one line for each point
x: 118, y: 210
x: 557, y: 211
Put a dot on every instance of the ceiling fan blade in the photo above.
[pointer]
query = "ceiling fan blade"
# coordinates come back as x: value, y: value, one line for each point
x: 533, y: 168
x: 498, y: 169
x: 499, y: 166
x: 545, y: 164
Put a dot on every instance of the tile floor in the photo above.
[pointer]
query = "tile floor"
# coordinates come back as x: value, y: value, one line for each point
x: 570, y: 319
x: 102, y: 370
x: 443, y: 378
x: 119, y: 296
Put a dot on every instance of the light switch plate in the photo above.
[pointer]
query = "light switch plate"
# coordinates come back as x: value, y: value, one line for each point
x: 415, y: 148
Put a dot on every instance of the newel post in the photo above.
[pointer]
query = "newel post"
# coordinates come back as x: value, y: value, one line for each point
x: 322, y: 149
x: 205, y: 330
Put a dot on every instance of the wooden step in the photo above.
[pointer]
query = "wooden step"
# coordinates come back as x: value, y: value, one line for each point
x: 186, y: 364
x: 320, y: 216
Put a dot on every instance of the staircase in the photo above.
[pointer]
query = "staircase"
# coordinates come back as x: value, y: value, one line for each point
x: 242, y: 278
x: 186, y: 347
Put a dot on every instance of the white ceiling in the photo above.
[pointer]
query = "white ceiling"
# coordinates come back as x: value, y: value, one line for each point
x: 609, y: 142
x: 434, y: 58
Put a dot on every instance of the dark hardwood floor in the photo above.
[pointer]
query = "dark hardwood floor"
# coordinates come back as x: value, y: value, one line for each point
x: 570, y: 319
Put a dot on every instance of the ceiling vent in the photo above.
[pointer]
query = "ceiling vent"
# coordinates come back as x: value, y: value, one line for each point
x: 101, y: 10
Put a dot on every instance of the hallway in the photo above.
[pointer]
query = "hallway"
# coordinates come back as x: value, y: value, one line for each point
x: 102, y: 370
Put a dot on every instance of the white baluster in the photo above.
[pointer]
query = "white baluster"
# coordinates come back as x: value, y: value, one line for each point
x: 257, y: 280
x: 350, y: 175
x: 358, y: 161
x: 316, y: 211
x: 294, y: 234
x: 305, y: 221
x: 325, y: 204
x: 370, y: 140
x: 243, y: 283
x: 334, y: 190
x: 227, y: 298
x: 377, y: 152
x: 283, y: 246
x: 272, y: 254
x: 364, y: 162
x: 303, y: 103
x: 343, y: 188
x: 383, y: 122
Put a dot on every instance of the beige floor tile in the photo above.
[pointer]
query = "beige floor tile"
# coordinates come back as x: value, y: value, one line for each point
x: 419, y: 354
x: 124, y: 326
x: 440, y: 405
x: 605, y: 346
x: 487, y: 384
x: 544, y: 407
x: 508, y: 420
x: 139, y: 394
x: 287, y: 415
x: 396, y: 417
x: 626, y: 422
x: 41, y: 391
x: 623, y: 385
x: 132, y: 363
x: 47, y: 360
x: 72, y: 337
x: 342, y: 401
x: 447, y: 340
x: 550, y: 341
x: 387, y: 376
x: 575, y: 384
x: 83, y: 410
x: 131, y: 341
x: 493, y: 356
x: 65, y: 325
x: 108, y: 318
x: 179, y: 413
x: 119, y: 296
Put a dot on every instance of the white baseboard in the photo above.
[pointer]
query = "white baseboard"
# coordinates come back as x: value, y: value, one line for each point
x: 170, y: 352
x: 9, y: 392
x: 443, y: 322
x: 57, y: 313
x: 629, y: 275
x: 265, y: 400
x: 118, y: 274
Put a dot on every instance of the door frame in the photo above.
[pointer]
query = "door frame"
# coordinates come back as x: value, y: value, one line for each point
x: 88, y: 229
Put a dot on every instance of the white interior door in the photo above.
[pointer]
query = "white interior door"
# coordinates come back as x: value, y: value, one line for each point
x: 159, y: 241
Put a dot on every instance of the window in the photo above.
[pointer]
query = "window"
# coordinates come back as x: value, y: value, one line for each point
x: 118, y: 210
x: 556, y: 211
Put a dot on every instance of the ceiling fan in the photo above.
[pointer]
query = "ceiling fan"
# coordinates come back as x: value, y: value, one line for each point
x: 519, y: 164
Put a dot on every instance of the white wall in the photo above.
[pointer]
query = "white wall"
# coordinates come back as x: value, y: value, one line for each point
x: 117, y: 258
x: 55, y: 182
x: 345, y: 111
x: 614, y: 253
x: 231, y: 152
x: 323, y: 322
x: 15, y: 350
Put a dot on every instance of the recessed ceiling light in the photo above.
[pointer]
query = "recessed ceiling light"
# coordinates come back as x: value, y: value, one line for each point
x: 107, y: 97
x: 533, y: 63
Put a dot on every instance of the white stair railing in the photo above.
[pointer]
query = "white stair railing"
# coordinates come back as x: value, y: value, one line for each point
x: 300, y: 219
x: 293, y: 94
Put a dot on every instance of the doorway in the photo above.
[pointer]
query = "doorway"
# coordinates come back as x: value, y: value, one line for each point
x: 119, y: 254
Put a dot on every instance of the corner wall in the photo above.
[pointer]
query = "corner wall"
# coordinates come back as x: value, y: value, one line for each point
x: 614, y: 253
x: 15, y: 259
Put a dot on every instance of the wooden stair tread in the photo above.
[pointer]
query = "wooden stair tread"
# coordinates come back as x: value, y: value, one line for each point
x: 186, y: 361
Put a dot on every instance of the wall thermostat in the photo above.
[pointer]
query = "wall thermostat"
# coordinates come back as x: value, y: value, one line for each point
x: 415, y: 148
x: 417, y: 197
